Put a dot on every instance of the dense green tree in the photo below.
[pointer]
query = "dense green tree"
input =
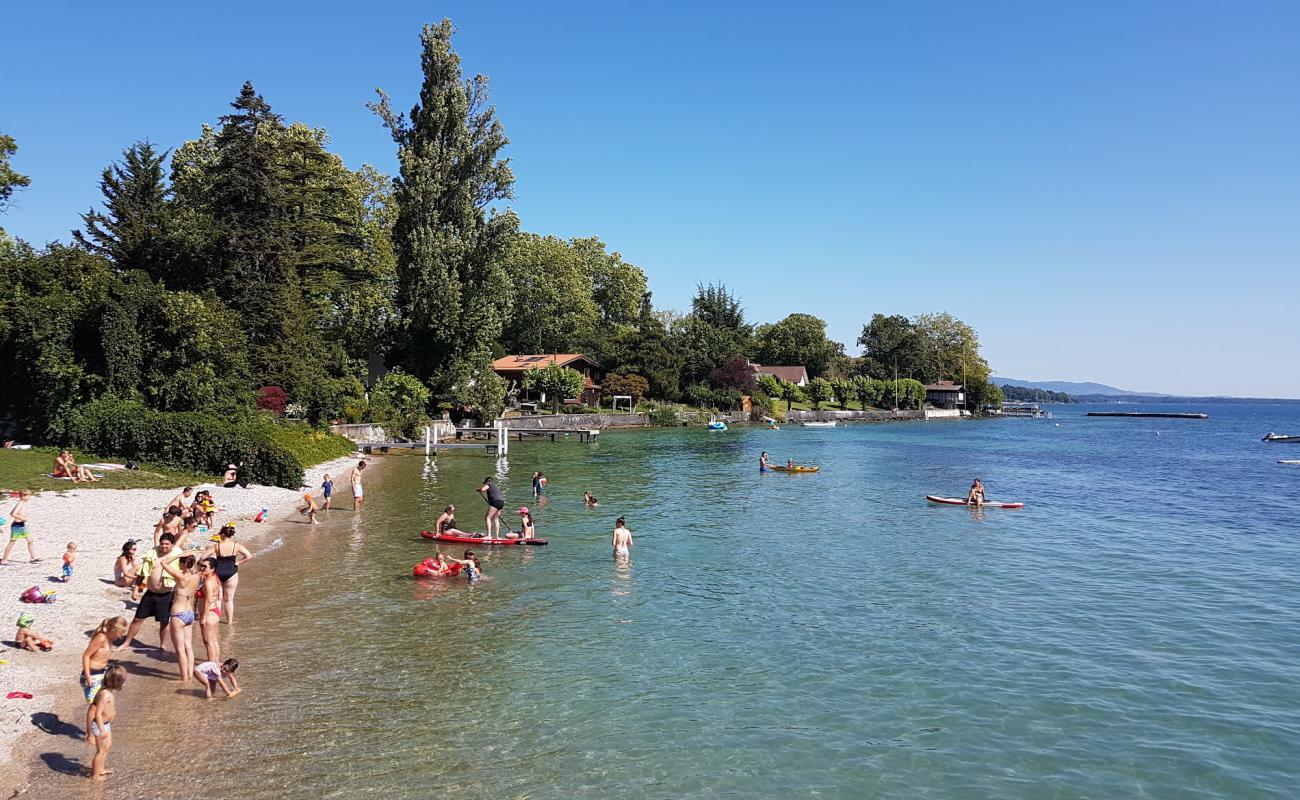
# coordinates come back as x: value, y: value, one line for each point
x: 554, y: 310
x: 792, y: 393
x: 843, y: 389
x: 797, y: 340
x: 401, y: 402
x: 134, y: 230
x: 556, y: 382
x: 868, y: 391
x: 10, y: 179
x: 769, y: 385
x: 629, y: 385
x: 715, y: 305
x: 890, y: 344
x: 452, y: 289
x: 951, y: 350
x: 704, y: 348
x: 617, y: 287
x: 984, y: 394
x: 819, y: 391
x: 647, y: 349
x: 908, y: 393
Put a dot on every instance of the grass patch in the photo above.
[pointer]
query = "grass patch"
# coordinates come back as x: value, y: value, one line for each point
x: 308, y: 445
x: 25, y: 469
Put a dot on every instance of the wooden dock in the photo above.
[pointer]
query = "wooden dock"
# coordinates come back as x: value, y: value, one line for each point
x: 1155, y: 414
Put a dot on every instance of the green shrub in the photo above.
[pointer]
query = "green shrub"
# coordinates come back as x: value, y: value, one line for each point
x: 664, y: 417
x: 200, y: 442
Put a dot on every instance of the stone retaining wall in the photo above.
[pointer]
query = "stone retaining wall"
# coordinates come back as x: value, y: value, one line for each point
x: 837, y: 416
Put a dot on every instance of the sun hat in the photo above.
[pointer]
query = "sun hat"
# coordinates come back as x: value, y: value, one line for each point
x: 523, y: 509
x: 26, y: 620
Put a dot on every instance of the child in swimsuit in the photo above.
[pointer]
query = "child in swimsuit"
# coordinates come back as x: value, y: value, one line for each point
x: 99, y: 716
x: 69, y: 558
x: 210, y: 672
x: 18, y: 529
x: 469, y: 565
x: 28, y: 639
x: 309, y: 509
x: 327, y: 491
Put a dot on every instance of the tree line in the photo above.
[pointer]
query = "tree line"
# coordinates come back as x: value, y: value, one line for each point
x: 251, y: 267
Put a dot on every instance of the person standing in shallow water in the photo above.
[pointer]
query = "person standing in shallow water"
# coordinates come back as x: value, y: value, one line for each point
x: 355, y: 478
x: 622, y: 539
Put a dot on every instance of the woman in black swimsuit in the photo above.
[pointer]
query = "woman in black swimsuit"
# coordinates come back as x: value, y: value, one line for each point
x: 228, y: 554
x: 492, y: 521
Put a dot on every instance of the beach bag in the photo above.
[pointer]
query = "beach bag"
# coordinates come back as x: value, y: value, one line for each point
x: 32, y: 595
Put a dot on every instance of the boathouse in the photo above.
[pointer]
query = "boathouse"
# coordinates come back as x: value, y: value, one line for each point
x: 512, y: 369
x: 945, y: 394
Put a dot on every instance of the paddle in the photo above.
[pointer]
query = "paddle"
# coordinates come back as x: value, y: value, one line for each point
x: 503, y: 519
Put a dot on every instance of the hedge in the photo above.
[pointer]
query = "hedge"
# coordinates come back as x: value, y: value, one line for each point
x: 199, y: 442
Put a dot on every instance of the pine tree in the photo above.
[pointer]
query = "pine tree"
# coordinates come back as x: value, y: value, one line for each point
x: 453, y: 291
x: 252, y: 263
x: 134, y: 229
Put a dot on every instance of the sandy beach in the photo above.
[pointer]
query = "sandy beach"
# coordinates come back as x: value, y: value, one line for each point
x: 100, y: 521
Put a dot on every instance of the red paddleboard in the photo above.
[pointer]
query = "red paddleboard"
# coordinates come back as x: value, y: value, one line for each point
x: 483, y: 540
x: 961, y: 501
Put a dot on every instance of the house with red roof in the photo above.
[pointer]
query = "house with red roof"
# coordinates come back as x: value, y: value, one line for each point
x: 512, y: 369
x: 796, y: 375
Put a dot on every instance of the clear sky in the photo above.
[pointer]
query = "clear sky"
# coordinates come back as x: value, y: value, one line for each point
x: 1105, y: 191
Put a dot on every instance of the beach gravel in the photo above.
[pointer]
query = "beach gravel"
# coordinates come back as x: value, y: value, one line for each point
x: 100, y: 521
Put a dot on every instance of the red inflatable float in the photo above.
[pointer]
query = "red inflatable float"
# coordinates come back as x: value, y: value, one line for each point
x: 428, y: 569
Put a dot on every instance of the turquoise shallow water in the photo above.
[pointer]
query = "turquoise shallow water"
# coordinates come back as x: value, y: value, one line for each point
x: 1133, y: 632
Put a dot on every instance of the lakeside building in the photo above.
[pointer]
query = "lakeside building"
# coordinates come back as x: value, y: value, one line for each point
x: 796, y: 375
x: 945, y: 394
x: 512, y: 369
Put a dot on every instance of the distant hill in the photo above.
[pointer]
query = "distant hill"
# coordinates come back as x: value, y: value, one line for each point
x: 1073, y: 387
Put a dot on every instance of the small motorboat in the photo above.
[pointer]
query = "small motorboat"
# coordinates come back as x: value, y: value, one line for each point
x: 1289, y: 461
x: 1282, y: 437
x: 815, y: 424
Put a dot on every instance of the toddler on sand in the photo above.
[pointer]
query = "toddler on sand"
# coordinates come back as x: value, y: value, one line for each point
x: 69, y: 558
x: 28, y: 639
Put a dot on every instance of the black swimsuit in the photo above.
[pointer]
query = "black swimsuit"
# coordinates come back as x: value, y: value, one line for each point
x: 226, y: 567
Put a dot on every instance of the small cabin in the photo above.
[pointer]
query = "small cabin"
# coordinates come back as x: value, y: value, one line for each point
x: 945, y: 394
x: 512, y: 369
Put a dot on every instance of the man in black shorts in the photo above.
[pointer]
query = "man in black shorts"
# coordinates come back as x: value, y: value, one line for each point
x: 156, y: 602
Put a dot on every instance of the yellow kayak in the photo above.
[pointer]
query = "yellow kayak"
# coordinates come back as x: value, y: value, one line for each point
x: 796, y: 468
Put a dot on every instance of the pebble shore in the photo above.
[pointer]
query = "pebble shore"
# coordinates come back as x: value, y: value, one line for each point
x: 100, y: 521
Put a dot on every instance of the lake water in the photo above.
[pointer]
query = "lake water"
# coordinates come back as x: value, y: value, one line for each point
x: 1133, y: 632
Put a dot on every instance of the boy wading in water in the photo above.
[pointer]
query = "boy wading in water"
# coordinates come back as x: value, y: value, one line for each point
x: 355, y: 477
x: 99, y: 716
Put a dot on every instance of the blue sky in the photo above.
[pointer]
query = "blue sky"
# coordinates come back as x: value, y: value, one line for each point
x: 1106, y: 192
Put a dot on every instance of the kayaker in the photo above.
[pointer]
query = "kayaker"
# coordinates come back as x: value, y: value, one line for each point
x: 975, y: 497
x: 789, y: 465
x: 622, y: 539
x: 762, y: 462
x: 492, y: 520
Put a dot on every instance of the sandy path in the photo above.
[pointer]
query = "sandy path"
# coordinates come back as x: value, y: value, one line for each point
x: 100, y: 521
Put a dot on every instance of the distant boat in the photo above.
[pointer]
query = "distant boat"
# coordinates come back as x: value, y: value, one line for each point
x: 1289, y: 461
x: 814, y: 424
x: 1281, y: 437
x: 717, y: 426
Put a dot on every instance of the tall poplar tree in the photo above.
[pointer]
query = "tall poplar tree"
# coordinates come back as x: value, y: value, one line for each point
x: 453, y: 292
